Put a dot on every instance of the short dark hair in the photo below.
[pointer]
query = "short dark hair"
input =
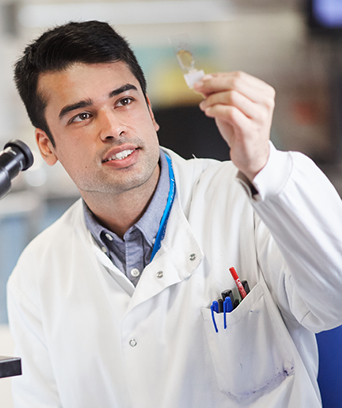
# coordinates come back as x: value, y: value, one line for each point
x: 89, y: 42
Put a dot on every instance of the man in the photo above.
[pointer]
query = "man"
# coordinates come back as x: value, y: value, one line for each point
x: 113, y: 305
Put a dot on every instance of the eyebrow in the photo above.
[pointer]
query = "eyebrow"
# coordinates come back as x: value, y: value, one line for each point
x: 124, y: 88
x: 88, y: 102
x: 74, y: 106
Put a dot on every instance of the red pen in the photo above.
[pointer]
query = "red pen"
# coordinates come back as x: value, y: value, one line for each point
x: 238, y: 283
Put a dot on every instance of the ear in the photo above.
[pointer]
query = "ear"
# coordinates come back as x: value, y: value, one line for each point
x: 149, y: 105
x: 45, y: 147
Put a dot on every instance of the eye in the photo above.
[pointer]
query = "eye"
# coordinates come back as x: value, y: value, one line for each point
x: 124, y: 101
x: 80, y: 117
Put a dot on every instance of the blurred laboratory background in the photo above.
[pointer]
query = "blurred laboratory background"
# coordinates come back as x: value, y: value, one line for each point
x: 294, y: 45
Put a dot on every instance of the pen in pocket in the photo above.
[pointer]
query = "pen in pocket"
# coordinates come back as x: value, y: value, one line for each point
x: 227, y: 308
x: 238, y: 282
x: 229, y: 293
x: 220, y: 306
x: 229, y: 302
x: 245, y: 286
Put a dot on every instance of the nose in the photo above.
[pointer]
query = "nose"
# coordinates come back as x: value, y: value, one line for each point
x: 110, y: 126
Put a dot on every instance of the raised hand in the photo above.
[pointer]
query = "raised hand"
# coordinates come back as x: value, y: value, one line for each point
x: 242, y: 106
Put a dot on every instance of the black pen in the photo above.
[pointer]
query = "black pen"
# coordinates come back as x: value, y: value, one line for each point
x: 220, y: 305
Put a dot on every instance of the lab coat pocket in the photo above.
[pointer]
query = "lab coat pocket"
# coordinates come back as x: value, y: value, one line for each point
x: 253, y: 353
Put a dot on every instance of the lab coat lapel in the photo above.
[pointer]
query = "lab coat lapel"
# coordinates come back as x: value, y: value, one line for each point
x: 178, y: 257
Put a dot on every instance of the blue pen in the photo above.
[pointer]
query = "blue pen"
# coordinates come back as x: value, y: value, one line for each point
x: 214, y: 308
x: 227, y: 308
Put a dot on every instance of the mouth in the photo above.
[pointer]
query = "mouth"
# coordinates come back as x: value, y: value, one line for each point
x: 120, y: 156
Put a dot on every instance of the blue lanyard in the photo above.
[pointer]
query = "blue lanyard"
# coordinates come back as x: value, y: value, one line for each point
x: 165, y: 217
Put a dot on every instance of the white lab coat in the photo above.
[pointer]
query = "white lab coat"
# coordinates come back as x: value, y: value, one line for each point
x: 89, y: 339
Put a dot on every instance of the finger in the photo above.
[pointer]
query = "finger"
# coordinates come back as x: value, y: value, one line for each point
x: 230, y: 115
x: 233, y: 98
x: 253, y: 88
x: 217, y: 82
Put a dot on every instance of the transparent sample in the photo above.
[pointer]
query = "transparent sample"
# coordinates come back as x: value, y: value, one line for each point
x: 186, y: 60
x: 182, y: 47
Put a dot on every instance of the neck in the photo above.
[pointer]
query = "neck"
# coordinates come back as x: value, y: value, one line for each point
x: 119, y: 212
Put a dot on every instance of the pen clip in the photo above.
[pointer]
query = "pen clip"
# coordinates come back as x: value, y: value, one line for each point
x: 227, y: 308
x: 214, y: 308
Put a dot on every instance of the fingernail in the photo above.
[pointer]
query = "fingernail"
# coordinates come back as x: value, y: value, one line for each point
x: 207, y: 76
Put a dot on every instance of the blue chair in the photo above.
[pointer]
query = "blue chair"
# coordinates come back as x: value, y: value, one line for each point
x: 330, y: 367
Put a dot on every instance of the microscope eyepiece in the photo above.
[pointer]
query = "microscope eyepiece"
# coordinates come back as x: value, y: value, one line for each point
x: 15, y: 157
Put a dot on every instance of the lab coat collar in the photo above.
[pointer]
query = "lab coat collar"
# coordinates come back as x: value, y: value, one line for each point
x: 179, y: 255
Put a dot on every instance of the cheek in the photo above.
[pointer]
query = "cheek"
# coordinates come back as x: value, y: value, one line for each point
x: 144, y: 120
x: 74, y: 161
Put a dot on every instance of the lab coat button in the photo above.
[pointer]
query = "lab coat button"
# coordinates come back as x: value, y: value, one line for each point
x: 133, y: 343
x: 192, y: 257
x: 104, y: 249
x: 135, y: 272
x: 160, y: 274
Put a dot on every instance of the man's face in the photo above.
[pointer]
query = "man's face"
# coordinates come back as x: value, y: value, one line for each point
x: 104, y: 131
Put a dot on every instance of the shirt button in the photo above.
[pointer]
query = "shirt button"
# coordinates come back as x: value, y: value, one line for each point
x: 160, y: 274
x: 109, y: 237
x: 133, y: 343
x: 192, y: 257
x: 135, y: 272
